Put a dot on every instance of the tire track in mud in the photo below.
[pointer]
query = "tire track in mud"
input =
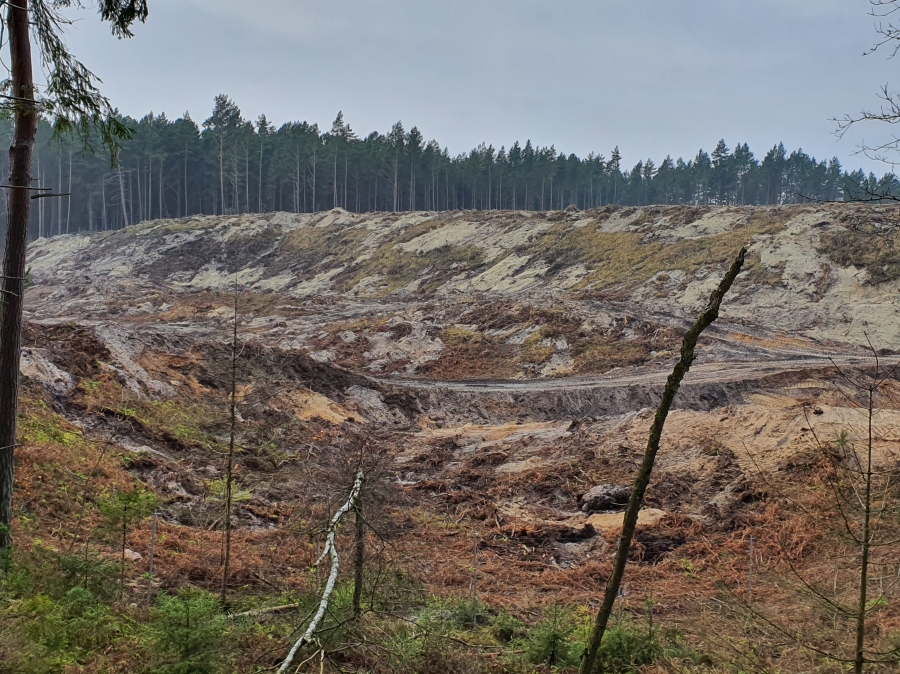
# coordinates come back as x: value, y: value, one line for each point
x: 701, y: 373
x: 707, y: 386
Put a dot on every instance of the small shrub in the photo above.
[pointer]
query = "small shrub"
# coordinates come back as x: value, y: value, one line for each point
x: 506, y: 628
x: 48, y: 634
x: 629, y: 645
x: 464, y: 617
x: 217, y: 489
x: 188, y: 632
x: 549, y: 642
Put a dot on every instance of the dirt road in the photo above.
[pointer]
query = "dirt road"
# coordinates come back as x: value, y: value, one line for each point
x: 701, y: 373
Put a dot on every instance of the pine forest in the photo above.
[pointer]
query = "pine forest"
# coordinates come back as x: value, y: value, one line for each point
x: 231, y: 165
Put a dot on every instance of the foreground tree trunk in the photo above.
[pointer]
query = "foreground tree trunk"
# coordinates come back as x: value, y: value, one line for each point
x: 360, y: 557
x: 710, y: 314
x: 13, y: 282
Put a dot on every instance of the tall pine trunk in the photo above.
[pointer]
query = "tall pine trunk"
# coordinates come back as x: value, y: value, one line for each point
x: 259, y: 207
x: 222, y: 172
x: 186, y: 208
x: 69, y: 198
x: 121, y: 196
x: 20, y: 153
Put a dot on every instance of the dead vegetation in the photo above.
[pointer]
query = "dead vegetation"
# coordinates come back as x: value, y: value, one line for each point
x: 493, y: 470
x: 517, y: 486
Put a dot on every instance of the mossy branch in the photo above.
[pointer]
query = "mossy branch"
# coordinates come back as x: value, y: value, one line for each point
x: 689, y: 344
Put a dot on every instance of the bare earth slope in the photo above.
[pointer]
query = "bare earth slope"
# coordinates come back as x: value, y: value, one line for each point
x: 498, y: 295
x: 505, y: 361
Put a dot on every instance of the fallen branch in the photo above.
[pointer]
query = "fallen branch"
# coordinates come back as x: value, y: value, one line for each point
x: 710, y: 314
x: 330, y: 551
x: 263, y: 611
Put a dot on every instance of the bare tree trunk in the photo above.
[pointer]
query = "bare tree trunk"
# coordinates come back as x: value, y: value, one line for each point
x: 360, y: 558
x: 59, y: 188
x: 222, y: 171
x: 40, y: 219
x: 122, y: 196
x: 259, y: 208
x: 710, y: 314
x: 229, y: 468
x: 863, y: 609
x: 185, y: 182
x: 313, y: 196
x: 412, y: 184
x: 69, y: 198
x: 20, y: 153
x: 161, y: 213
x: 301, y: 175
x: 140, y: 194
x: 396, y: 170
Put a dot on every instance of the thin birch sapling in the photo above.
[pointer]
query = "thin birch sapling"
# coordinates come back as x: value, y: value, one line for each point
x: 330, y: 551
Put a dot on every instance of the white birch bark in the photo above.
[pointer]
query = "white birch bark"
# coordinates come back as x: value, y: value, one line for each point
x: 330, y: 551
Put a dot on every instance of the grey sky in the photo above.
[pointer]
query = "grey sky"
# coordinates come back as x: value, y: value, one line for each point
x: 652, y: 76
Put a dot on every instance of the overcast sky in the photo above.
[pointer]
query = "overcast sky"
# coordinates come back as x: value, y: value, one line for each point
x: 655, y: 77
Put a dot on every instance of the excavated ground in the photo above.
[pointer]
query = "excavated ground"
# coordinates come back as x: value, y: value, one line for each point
x: 497, y: 365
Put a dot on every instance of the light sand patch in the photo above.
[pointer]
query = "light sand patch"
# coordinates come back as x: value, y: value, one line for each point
x: 47, y: 256
x: 245, y: 229
x: 508, y: 275
x: 531, y: 463
x: 449, y: 235
x: 36, y: 366
x: 605, y: 522
x: 311, y: 405
x: 369, y: 285
x: 211, y: 277
x: 417, y: 347
x: 718, y: 221
x: 320, y: 283
x: 336, y: 217
x: 619, y: 222
x: 569, y: 278
x: 497, y: 241
x: 278, y: 282
x: 510, y: 432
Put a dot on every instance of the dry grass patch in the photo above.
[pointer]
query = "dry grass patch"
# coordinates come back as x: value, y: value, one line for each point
x: 399, y: 268
x: 876, y: 251
x: 311, y: 245
x: 471, y: 355
x: 630, y: 258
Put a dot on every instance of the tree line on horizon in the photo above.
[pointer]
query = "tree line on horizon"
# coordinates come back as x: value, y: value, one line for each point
x: 231, y: 165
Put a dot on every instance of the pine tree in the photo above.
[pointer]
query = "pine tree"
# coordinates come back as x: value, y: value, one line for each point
x: 74, y: 104
x: 722, y: 169
x: 222, y: 128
